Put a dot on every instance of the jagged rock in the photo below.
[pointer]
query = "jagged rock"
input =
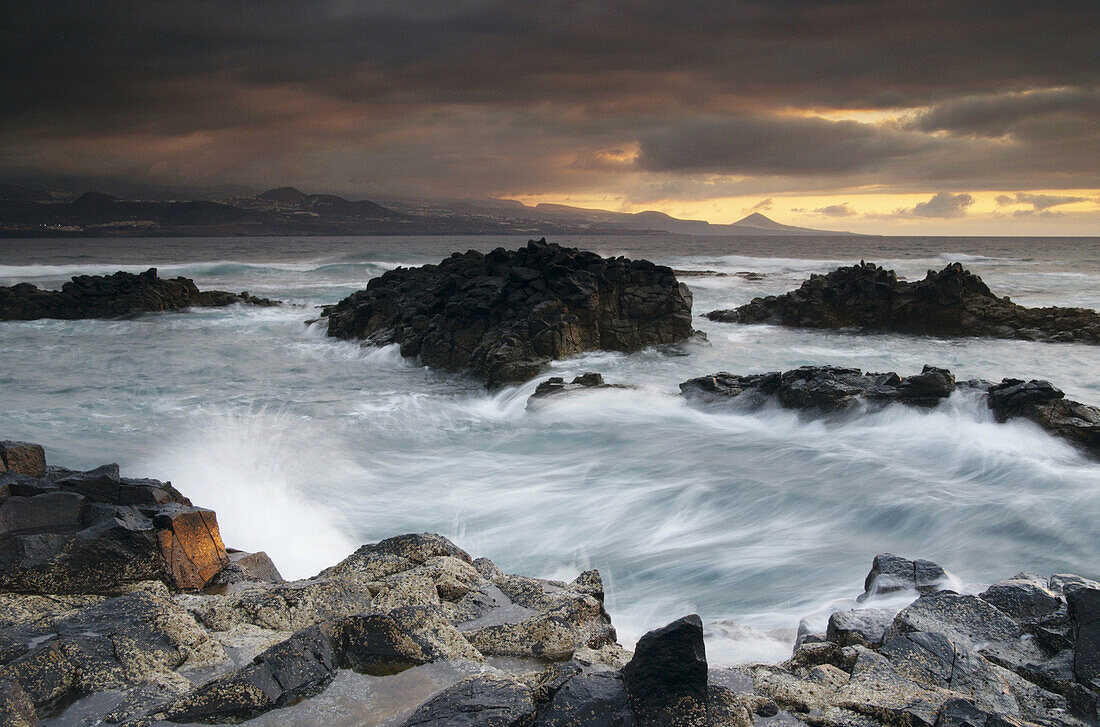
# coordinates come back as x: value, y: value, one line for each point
x: 951, y: 302
x: 96, y: 532
x: 112, y: 296
x: 190, y: 544
x: 116, y: 644
x: 483, y: 700
x: 554, y: 633
x: 505, y: 314
x: 1022, y: 597
x: 1084, y: 611
x: 294, y: 669
x: 666, y: 681
x: 830, y: 389
x: 23, y: 457
x: 1042, y: 403
x: 877, y: 690
x: 389, y: 643
x: 823, y: 388
x: 891, y: 573
x: 247, y: 568
x: 865, y: 627
x: 968, y: 621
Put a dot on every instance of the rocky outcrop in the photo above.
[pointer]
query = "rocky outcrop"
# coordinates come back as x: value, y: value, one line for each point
x: 96, y: 532
x: 951, y: 302
x: 827, y: 389
x: 114, y: 296
x: 503, y: 315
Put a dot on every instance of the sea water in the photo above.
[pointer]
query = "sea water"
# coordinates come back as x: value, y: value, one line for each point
x: 308, y: 446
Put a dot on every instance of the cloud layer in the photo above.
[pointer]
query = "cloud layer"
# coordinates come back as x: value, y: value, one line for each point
x: 644, y: 99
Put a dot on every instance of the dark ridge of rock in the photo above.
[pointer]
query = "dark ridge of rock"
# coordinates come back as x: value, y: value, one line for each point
x: 666, y: 680
x: 97, y: 532
x: 824, y: 388
x: 952, y: 302
x: 114, y: 296
x: 829, y: 389
x: 503, y: 315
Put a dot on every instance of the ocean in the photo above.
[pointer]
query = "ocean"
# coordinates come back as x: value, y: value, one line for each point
x: 307, y: 446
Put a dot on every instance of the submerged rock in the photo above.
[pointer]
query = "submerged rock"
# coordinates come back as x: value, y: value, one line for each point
x: 827, y: 389
x: 113, y: 296
x: 505, y: 314
x: 556, y: 385
x: 951, y: 302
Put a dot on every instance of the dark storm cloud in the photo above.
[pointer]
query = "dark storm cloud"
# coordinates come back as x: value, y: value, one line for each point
x: 473, y: 95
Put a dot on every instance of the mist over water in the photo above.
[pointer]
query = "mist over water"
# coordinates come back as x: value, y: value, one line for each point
x: 307, y: 446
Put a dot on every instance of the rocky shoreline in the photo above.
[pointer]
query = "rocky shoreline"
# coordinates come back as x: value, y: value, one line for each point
x: 952, y: 302
x: 504, y: 315
x: 114, y: 296
x: 123, y: 607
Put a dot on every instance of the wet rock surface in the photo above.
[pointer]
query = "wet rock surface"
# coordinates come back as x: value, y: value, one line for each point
x: 114, y: 296
x: 556, y: 386
x: 952, y: 302
x: 830, y: 389
x: 1026, y: 651
x: 504, y: 315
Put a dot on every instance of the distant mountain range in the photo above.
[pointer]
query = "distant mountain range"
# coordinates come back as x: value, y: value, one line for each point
x: 26, y: 212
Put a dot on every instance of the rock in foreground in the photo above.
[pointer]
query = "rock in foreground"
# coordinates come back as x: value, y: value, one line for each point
x: 505, y: 314
x: 952, y: 302
x: 113, y: 296
x: 827, y: 389
x: 516, y: 651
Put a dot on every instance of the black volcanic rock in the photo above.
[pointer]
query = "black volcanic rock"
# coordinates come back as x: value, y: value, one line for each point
x: 1047, y: 406
x: 112, y: 296
x: 666, y: 680
x: 951, y: 302
x: 827, y: 389
x: 505, y: 314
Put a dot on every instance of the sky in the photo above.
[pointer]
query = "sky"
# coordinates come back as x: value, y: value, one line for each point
x: 893, y: 117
